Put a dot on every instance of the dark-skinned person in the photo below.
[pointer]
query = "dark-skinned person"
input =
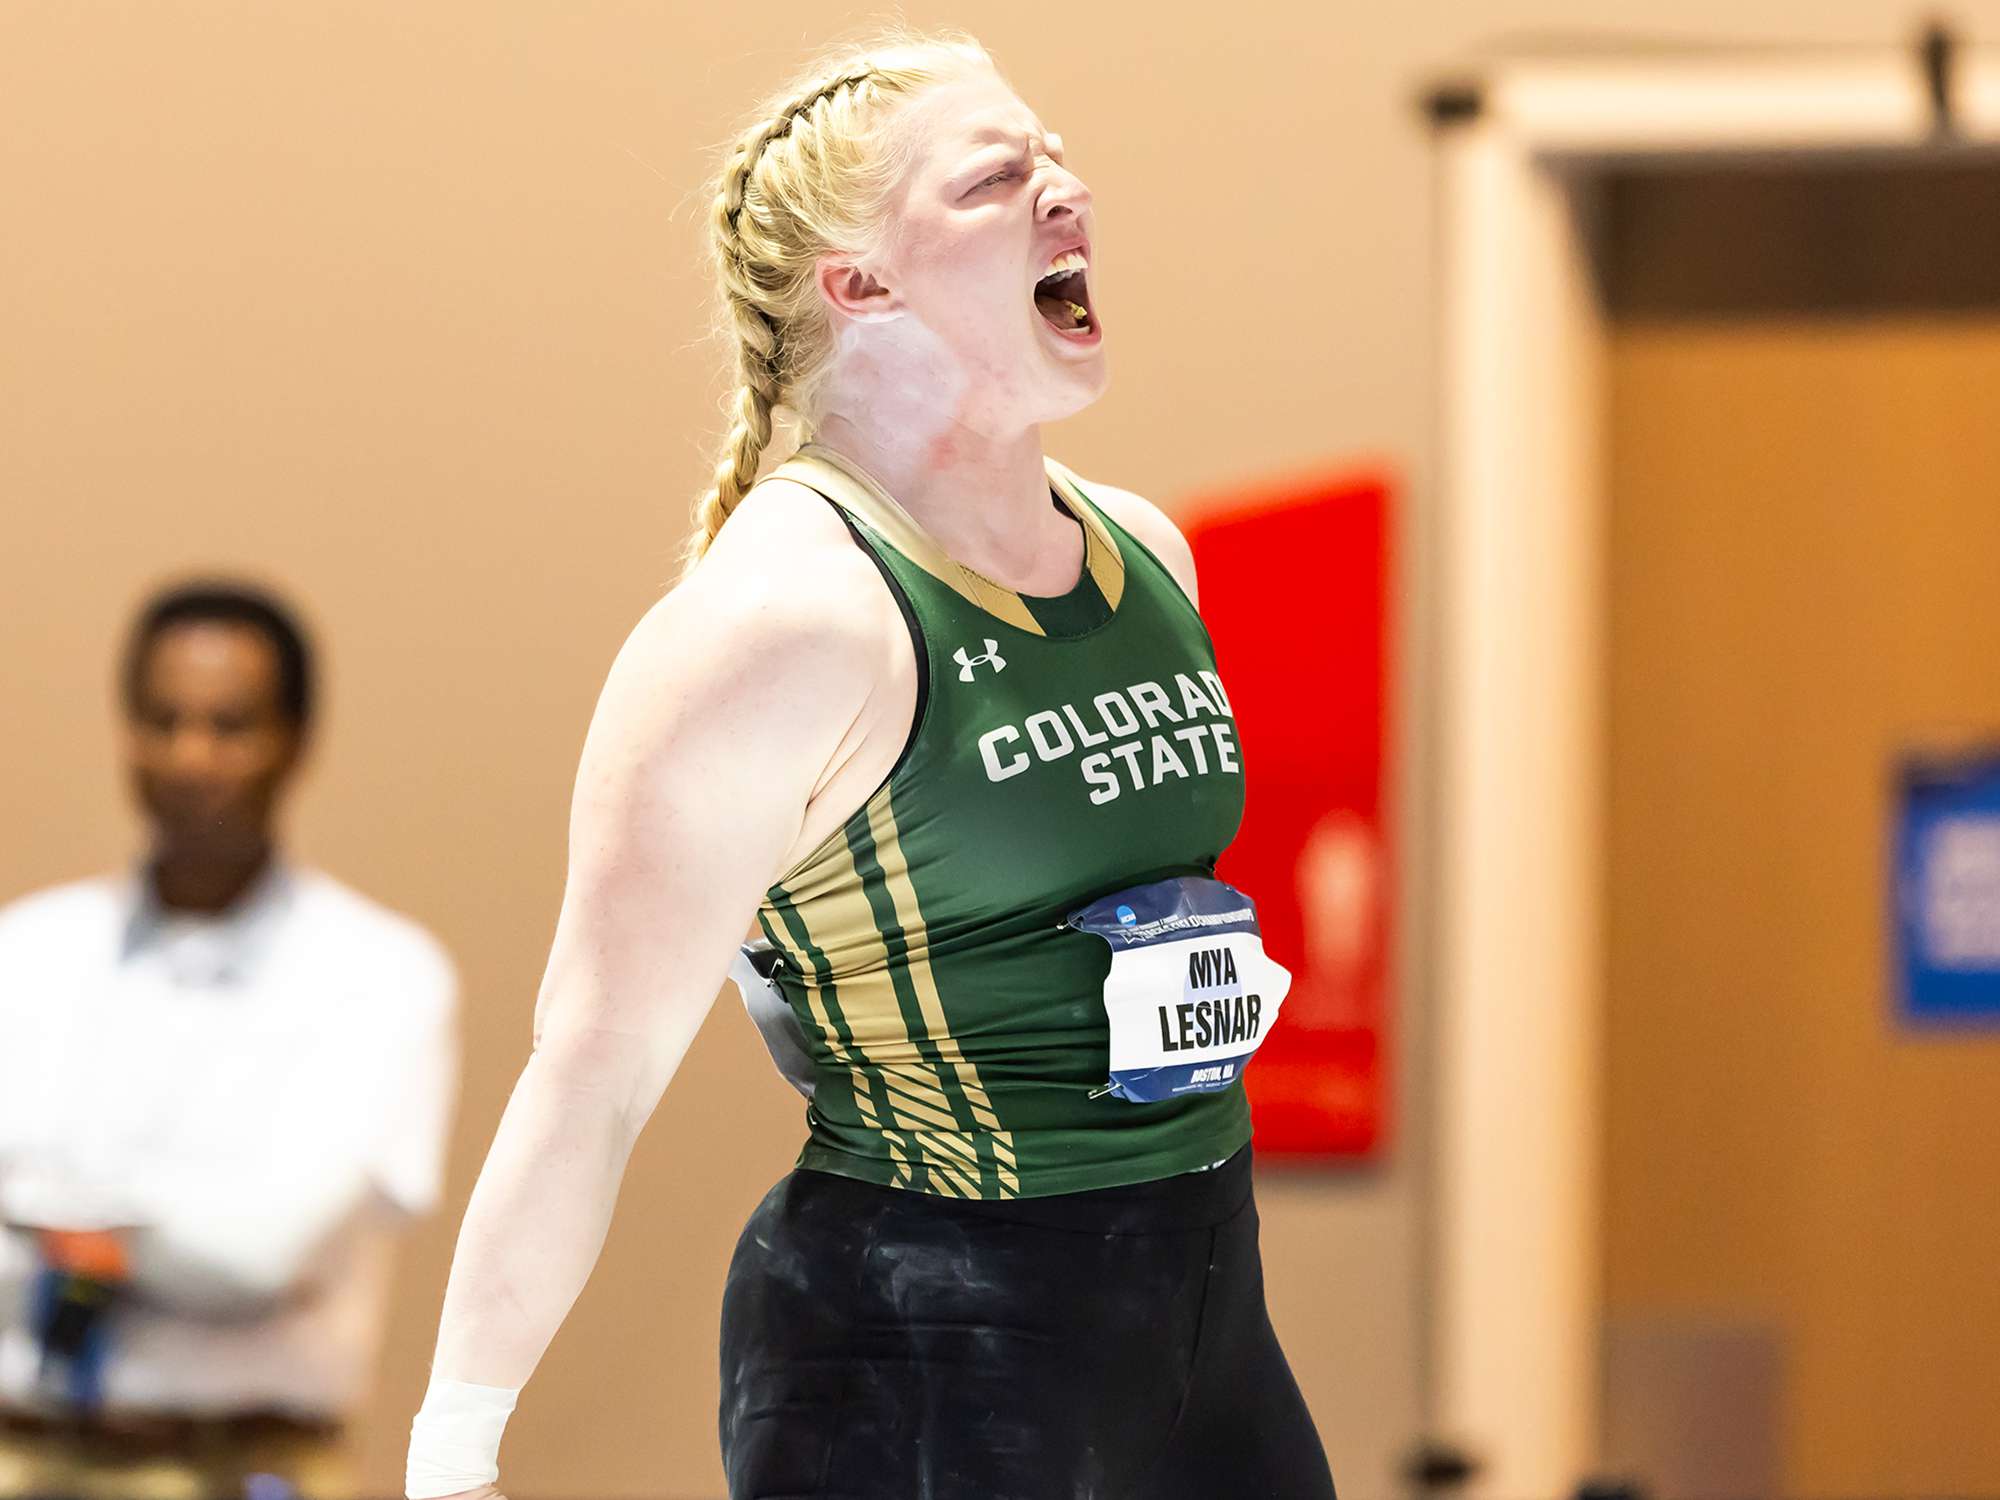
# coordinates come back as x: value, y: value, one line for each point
x: 225, y: 1081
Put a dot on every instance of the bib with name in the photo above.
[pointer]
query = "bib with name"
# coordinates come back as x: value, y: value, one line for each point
x: 1191, y: 994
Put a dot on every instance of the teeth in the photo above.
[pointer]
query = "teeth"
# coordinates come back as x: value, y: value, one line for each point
x: 1068, y: 261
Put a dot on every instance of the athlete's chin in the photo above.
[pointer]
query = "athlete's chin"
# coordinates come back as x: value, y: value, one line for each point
x: 1076, y: 385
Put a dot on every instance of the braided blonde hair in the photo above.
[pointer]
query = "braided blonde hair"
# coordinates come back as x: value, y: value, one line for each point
x: 812, y: 176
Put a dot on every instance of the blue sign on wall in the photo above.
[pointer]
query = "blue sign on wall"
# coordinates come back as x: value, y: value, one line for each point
x: 1948, y: 889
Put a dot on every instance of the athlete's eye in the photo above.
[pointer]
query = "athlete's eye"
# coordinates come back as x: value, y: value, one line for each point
x: 1005, y: 174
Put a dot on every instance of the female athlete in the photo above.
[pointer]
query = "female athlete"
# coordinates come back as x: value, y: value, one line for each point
x: 946, y: 720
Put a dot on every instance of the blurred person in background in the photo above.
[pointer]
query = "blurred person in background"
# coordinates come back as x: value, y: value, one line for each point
x: 224, y: 1081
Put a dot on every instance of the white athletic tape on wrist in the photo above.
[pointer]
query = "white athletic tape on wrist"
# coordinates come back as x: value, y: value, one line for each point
x: 455, y: 1438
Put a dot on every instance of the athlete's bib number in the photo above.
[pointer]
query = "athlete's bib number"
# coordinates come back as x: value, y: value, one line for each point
x: 1191, y: 994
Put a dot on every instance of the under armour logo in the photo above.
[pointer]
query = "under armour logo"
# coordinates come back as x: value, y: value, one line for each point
x: 967, y: 663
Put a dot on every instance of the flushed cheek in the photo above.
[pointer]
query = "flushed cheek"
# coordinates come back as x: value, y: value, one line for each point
x: 962, y: 271
x: 1000, y: 305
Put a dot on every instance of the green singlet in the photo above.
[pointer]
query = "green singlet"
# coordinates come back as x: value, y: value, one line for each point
x: 1064, y: 748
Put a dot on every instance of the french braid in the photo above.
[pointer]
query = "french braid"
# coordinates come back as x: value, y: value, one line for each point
x: 802, y: 181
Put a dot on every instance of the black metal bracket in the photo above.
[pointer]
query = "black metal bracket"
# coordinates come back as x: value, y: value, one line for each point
x: 1435, y: 1469
x: 1937, y: 51
x: 1453, y: 103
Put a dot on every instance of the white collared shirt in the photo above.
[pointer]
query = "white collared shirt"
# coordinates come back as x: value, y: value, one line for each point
x: 260, y: 1096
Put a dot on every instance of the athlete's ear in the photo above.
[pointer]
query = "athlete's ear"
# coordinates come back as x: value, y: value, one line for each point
x: 854, y: 292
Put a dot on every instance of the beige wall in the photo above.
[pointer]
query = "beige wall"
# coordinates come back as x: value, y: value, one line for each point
x: 397, y: 305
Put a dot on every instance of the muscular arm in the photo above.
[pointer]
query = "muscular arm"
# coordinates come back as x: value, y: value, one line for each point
x: 719, y: 747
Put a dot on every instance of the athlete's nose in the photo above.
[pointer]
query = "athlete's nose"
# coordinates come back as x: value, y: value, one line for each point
x: 1063, y: 193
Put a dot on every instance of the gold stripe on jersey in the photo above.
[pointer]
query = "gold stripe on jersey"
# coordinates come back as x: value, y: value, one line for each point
x: 864, y: 1102
x: 830, y: 899
x: 920, y: 1108
x: 850, y: 487
x: 957, y: 1149
x: 1100, y: 552
x: 822, y: 1017
x: 909, y: 916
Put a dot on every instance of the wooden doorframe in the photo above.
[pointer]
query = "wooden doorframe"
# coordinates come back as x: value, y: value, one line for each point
x: 1517, y: 777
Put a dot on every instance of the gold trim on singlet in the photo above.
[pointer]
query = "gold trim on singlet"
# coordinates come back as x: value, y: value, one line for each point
x: 864, y: 1101
x: 916, y: 935
x: 1100, y: 553
x: 923, y: 1129
x: 848, y: 485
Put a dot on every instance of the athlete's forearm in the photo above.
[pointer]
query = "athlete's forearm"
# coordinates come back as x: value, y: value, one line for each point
x: 537, y: 1218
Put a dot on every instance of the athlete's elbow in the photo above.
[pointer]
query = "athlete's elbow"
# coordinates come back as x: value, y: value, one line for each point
x: 641, y: 1087
x: 609, y: 1085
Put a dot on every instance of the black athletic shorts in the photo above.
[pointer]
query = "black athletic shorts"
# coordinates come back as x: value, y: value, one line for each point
x: 879, y: 1344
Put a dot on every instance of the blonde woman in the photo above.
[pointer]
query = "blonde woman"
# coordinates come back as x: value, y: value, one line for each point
x: 946, y: 719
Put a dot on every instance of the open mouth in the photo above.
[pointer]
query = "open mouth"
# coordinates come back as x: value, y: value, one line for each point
x: 1062, y: 296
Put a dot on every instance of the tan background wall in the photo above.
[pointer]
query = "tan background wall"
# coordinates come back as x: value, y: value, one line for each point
x: 397, y: 306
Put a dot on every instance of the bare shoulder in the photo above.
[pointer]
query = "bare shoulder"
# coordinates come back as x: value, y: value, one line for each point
x: 783, y: 592
x: 779, y: 673
x: 1151, y: 525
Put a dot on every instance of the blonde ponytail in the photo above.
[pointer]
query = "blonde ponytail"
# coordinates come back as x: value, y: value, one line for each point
x: 812, y: 176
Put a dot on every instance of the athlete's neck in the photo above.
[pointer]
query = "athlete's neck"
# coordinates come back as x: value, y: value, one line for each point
x: 984, y: 499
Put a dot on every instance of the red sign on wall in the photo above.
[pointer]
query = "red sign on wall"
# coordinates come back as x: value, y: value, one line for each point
x: 1294, y: 589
